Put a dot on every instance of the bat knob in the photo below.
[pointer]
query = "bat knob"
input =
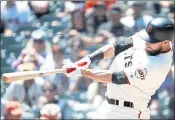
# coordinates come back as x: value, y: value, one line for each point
x: 5, y: 78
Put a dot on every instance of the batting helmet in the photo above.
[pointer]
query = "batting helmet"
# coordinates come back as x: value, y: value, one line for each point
x: 158, y: 30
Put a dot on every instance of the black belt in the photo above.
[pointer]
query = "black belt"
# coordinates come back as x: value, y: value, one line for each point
x: 116, y: 102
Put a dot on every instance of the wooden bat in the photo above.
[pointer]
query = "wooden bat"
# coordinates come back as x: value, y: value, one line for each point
x: 27, y: 75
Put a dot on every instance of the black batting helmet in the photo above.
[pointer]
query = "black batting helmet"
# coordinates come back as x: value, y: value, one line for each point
x: 158, y: 30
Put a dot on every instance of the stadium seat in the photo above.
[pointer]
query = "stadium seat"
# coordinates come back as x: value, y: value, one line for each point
x: 53, y: 6
x: 3, y: 58
x: 60, y: 4
x: 26, y: 30
x: 4, y: 62
x: 56, y: 29
x: 57, y: 6
x: 49, y: 19
x: 14, y: 51
x: 6, y: 41
x: 6, y: 70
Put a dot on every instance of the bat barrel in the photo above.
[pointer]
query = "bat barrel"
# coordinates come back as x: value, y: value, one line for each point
x: 27, y: 75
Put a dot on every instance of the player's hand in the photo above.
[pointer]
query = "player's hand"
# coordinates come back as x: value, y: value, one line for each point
x: 75, y: 68
x: 72, y: 70
x: 73, y: 32
x: 83, y: 63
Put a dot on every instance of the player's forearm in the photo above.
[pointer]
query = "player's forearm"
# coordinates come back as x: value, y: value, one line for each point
x: 97, y: 75
x: 104, y: 52
x: 106, y: 76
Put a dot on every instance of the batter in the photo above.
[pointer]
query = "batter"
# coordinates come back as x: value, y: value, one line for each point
x: 141, y: 65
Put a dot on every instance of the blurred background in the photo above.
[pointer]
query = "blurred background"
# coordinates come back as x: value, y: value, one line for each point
x: 38, y: 35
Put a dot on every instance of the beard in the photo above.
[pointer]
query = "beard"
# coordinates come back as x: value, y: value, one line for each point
x: 153, y: 52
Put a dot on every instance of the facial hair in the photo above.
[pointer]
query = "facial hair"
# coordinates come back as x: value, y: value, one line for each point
x: 153, y: 52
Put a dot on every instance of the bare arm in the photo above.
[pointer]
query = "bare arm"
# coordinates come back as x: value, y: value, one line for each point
x: 106, y: 76
x: 98, y: 75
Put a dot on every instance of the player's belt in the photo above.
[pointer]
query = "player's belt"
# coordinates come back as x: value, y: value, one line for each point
x: 116, y: 102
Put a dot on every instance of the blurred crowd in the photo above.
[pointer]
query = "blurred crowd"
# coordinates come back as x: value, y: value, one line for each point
x: 43, y: 35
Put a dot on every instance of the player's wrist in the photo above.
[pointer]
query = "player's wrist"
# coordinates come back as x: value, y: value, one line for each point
x: 97, y: 55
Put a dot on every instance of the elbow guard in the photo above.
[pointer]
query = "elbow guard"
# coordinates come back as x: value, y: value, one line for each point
x: 97, y: 55
x: 123, y: 45
x: 119, y: 78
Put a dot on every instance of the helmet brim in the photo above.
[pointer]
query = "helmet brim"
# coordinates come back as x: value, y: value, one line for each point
x: 144, y: 35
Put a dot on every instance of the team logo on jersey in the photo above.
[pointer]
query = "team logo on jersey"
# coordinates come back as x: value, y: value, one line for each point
x: 141, y: 73
x: 149, y: 28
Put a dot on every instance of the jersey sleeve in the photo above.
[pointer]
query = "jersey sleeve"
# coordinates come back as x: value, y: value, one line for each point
x: 123, y: 45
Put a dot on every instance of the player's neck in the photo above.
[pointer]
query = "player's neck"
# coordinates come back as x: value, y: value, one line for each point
x: 166, y: 51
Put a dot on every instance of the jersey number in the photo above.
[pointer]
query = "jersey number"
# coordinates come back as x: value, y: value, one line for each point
x: 128, y: 61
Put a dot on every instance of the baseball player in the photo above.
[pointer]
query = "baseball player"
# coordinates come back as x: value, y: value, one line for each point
x: 141, y: 64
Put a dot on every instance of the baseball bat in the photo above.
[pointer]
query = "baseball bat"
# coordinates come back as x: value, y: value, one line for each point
x: 27, y: 75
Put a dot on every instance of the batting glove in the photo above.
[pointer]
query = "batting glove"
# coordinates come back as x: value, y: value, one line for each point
x: 75, y: 68
x: 72, y: 70
x: 83, y: 63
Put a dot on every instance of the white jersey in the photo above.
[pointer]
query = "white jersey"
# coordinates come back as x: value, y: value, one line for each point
x: 145, y: 74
